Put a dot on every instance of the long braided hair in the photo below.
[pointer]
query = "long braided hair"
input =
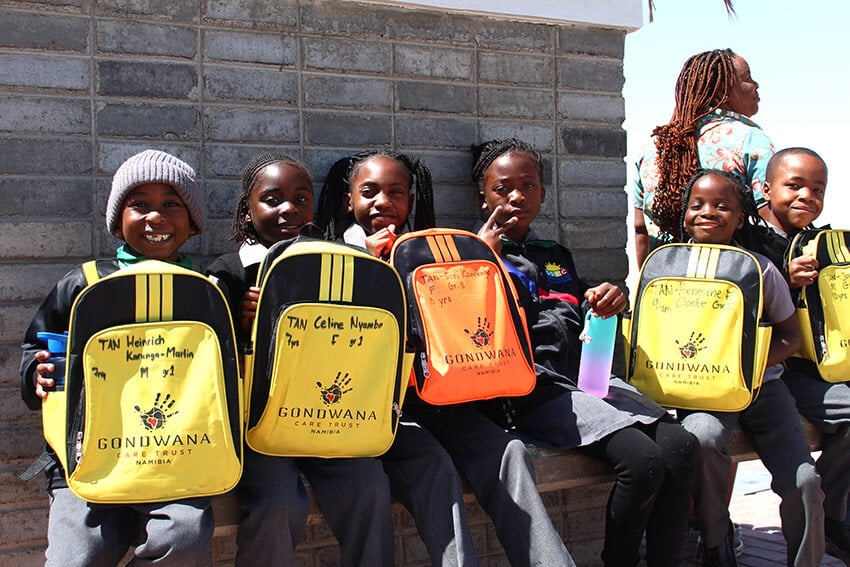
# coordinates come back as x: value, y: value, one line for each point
x: 241, y: 228
x: 485, y: 154
x: 332, y: 215
x: 704, y: 85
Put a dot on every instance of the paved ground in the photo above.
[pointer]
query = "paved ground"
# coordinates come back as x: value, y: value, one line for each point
x: 756, y: 509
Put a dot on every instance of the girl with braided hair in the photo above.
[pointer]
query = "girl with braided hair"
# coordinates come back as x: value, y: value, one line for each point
x: 710, y: 127
x: 367, y: 199
x: 650, y: 453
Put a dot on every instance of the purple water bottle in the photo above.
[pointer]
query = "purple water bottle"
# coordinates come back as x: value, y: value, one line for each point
x: 596, y: 354
x: 57, y: 345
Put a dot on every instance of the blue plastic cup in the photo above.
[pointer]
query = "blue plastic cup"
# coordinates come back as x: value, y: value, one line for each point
x: 57, y: 345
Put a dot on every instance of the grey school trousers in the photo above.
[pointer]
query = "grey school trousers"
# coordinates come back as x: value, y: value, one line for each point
x: 352, y: 494
x: 500, y: 471
x: 772, y: 425
x: 93, y: 535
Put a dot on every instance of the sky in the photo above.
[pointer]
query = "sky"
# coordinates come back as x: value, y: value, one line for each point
x: 798, y: 53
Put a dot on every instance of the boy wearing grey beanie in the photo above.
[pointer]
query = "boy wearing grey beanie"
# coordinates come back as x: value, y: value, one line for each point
x: 155, y: 205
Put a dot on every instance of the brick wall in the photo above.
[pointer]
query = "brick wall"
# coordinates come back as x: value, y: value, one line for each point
x: 86, y: 83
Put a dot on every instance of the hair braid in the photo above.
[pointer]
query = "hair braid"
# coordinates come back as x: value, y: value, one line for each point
x: 485, y: 154
x: 703, y: 85
x: 241, y: 228
x: 333, y: 217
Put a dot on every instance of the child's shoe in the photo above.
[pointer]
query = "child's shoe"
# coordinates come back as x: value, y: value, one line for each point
x: 724, y: 554
x: 837, y: 540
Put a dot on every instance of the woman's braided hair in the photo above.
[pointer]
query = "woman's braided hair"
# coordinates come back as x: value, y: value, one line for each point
x: 485, y: 154
x: 332, y: 215
x: 241, y: 228
x: 704, y: 84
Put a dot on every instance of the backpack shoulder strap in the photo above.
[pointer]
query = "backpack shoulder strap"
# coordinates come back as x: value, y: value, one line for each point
x: 90, y: 271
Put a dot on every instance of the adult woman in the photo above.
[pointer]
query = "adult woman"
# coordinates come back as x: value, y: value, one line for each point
x: 710, y: 128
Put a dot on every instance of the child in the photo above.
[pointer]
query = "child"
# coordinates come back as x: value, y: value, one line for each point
x: 650, y: 453
x: 718, y: 208
x: 375, y: 188
x: 795, y: 188
x: 276, y: 203
x: 154, y: 206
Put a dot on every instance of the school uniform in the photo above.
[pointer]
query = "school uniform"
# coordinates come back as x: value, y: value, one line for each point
x: 81, y: 533
x: 825, y: 405
x: 353, y: 494
x: 497, y: 466
x: 650, y: 453
x: 772, y: 426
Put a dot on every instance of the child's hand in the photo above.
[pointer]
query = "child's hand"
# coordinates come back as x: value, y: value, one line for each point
x: 42, y: 369
x: 802, y: 271
x: 380, y: 243
x: 492, y: 230
x: 248, y: 308
x: 606, y: 300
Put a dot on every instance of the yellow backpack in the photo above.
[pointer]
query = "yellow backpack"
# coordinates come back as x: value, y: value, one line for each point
x: 328, y: 370
x: 151, y: 407
x: 823, y: 308
x: 696, y: 339
x: 465, y: 319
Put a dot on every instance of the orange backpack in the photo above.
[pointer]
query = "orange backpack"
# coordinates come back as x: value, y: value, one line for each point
x: 464, y: 319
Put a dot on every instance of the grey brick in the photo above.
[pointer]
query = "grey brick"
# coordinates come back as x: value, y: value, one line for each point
x: 515, y: 69
x: 251, y: 125
x: 541, y: 136
x: 250, y: 84
x: 319, y: 162
x: 280, y: 14
x: 455, y: 201
x: 148, y: 120
x: 61, y: 116
x: 344, y: 18
x: 45, y: 198
x: 46, y: 72
x: 146, y: 39
x: 600, y: 266
x: 166, y: 9
x: 526, y: 103
x: 347, y: 129
x: 435, y: 132
x: 10, y: 361
x: 437, y: 97
x: 221, y: 197
x: 43, y: 31
x: 228, y: 160
x: 603, y: 202
x: 430, y: 25
x: 34, y: 156
x: 592, y: 172
x: 24, y: 281
x: 582, y: 106
x: 218, y: 235
x: 594, y: 140
x: 591, y: 41
x: 595, y: 233
x: 346, y: 55
x: 545, y: 228
x: 113, y: 154
x: 434, y: 62
x: 147, y: 79
x: 505, y: 34
x: 328, y: 90
x: 449, y: 168
x: 46, y: 239
x: 590, y: 74
x: 250, y: 47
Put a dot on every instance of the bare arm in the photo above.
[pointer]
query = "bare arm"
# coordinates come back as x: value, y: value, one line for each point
x: 641, y: 237
x: 785, y: 340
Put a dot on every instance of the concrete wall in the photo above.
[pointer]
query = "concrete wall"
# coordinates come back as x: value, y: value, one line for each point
x: 85, y: 83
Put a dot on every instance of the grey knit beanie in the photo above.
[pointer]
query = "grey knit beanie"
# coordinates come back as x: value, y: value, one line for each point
x: 154, y: 166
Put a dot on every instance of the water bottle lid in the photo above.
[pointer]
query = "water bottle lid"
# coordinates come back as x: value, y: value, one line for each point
x: 56, y: 343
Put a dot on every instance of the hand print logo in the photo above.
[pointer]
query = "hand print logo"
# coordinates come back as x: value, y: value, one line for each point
x: 692, y: 346
x: 156, y: 417
x: 482, y: 335
x: 333, y: 393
